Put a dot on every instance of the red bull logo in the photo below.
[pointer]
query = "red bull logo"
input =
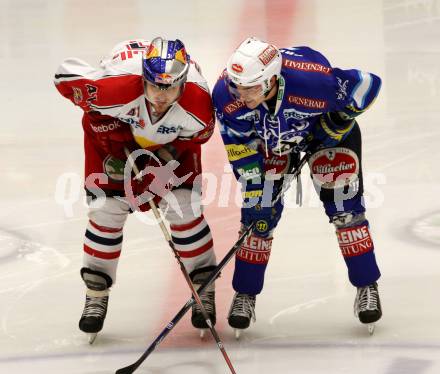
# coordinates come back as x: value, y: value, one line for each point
x: 181, y: 56
x: 164, y: 78
x: 151, y: 52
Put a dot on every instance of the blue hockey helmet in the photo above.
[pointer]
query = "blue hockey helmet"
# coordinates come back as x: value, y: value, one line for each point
x: 165, y: 63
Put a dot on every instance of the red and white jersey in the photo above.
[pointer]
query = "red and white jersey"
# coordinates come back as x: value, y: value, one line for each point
x: 116, y: 89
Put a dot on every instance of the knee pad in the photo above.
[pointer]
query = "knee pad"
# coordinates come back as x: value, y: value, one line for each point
x: 344, y: 210
x: 347, y: 219
x: 96, y: 280
x: 181, y: 206
x: 108, y: 211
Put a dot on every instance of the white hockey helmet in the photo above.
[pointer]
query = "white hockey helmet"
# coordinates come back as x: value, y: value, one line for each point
x: 254, y: 62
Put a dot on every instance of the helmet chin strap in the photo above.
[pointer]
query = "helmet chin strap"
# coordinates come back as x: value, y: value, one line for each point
x: 267, y: 88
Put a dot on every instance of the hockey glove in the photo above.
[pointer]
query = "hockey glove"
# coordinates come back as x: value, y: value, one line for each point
x: 110, y: 135
x: 167, y: 153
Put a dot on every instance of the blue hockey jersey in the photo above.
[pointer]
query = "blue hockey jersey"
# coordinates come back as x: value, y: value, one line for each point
x: 316, y: 104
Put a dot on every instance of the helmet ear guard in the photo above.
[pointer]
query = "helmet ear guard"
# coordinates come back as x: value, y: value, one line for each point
x: 165, y: 63
x: 267, y: 86
x: 232, y: 87
x: 254, y: 62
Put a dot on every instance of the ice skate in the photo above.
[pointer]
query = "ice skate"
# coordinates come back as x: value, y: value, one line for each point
x: 93, y: 316
x: 95, y: 308
x: 241, y: 313
x: 367, y: 306
x: 198, y: 277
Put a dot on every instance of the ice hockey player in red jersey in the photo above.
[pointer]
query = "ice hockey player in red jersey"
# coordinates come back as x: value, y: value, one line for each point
x: 149, y: 96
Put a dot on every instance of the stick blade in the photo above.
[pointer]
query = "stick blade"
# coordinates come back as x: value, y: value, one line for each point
x: 127, y: 370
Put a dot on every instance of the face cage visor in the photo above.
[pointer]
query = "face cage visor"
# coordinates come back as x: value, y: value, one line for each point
x: 264, y: 88
x: 164, y: 87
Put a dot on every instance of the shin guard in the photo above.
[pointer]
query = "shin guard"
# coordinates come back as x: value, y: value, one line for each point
x: 357, y: 248
x: 250, y: 265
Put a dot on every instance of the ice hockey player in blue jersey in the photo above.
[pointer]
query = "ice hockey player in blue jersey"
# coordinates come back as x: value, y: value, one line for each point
x: 272, y: 105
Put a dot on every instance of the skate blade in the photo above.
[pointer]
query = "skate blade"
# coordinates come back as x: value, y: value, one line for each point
x: 237, y: 333
x: 91, y: 337
x: 371, y: 328
x: 202, y: 333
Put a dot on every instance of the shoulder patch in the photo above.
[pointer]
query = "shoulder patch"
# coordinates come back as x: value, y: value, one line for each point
x: 307, y: 102
x: 306, y: 66
x: 197, y: 102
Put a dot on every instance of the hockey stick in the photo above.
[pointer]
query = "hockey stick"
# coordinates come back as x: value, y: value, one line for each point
x: 195, y: 294
x: 215, y: 273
